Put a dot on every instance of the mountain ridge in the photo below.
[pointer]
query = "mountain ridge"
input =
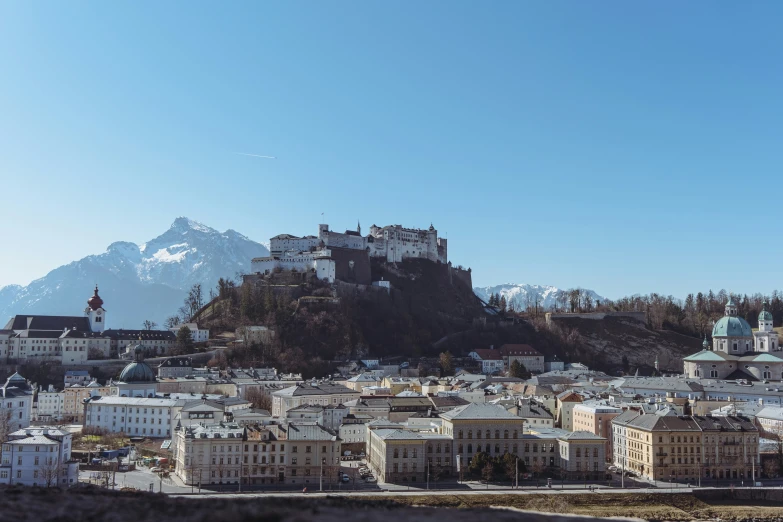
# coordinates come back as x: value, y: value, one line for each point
x: 138, y: 282
x: 523, y: 296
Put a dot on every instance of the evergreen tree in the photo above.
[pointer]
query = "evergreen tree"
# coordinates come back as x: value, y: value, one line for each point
x: 502, y: 304
x: 184, y: 341
x: 518, y: 370
x: 446, y: 363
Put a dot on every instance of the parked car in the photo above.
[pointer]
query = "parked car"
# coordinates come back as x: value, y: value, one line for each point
x: 156, y: 469
x: 346, y: 478
x: 371, y: 479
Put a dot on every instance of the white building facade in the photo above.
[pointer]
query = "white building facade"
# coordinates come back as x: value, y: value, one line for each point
x: 133, y: 416
x: 39, y: 457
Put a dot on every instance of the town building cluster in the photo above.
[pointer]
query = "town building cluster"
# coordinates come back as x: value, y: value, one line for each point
x: 563, y: 421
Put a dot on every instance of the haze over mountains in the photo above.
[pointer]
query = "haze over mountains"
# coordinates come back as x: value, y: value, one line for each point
x: 138, y: 282
x: 524, y: 296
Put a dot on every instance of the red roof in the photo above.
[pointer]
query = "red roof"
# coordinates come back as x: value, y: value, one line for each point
x: 488, y: 355
x: 95, y: 301
x: 518, y: 349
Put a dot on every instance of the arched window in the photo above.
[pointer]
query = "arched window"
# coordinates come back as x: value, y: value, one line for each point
x: 516, y: 434
x: 497, y: 434
x: 470, y: 449
x: 405, y: 453
x: 460, y: 434
x: 489, y: 434
x: 459, y: 449
x: 497, y: 449
x: 448, y: 449
x: 505, y: 434
x: 595, y: 452
x: 429, y: 449
x: 535, y: 447
x: 578, y: 452
x: 396, y: 453
x: 470, y: 434
x: 515, y: 449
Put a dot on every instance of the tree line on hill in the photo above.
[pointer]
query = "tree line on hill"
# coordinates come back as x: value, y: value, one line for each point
x: 692, y: 316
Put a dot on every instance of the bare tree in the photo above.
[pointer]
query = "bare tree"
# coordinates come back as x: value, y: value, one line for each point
x: 49, y: 471
x: 488, y: 471
x: 149, y: 325
x: 172, y: 321
x: 5, y: 426
x: 259, y: 398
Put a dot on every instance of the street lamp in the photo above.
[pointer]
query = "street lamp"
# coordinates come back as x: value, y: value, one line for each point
x: 321, y: 477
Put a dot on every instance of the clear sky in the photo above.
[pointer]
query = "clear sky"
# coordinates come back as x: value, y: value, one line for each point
x: 620, y: 146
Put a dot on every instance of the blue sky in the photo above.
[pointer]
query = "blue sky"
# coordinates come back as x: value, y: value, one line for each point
x: 624, y: 147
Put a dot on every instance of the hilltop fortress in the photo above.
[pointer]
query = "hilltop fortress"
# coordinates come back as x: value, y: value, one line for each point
x: 345, y: 256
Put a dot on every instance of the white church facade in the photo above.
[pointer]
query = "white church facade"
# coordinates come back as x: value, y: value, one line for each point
x: 737, y: 351
x: 73, y: 340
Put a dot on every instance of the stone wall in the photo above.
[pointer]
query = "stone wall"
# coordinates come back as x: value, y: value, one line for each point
x: 597, y: 316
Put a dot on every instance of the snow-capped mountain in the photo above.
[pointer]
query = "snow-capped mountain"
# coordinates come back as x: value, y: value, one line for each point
x: 138, y: 282
x: 524, y: 296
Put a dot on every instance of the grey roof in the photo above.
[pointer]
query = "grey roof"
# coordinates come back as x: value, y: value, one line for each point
x: 145, y: 335
x: 478, y: 411
x: 215, y: 431
x: 581, y: 435
x: 301, y: 431
x: 35, y: 440
x: 48, y: 322
x: 533, y: 410
x: 324, y: 388
x: 771, y: 412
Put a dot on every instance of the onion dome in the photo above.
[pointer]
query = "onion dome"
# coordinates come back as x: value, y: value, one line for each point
x: 95, y: 301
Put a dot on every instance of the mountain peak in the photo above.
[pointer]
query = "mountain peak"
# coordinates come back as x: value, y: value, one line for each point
x: 183, y: 224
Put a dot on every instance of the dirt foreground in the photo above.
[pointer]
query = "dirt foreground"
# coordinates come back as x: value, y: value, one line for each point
x: 659, y: 506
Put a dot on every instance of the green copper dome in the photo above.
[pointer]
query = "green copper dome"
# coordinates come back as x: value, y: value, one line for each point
x: 138, y: 370
x: 731, y: 326
x: 765, y: 314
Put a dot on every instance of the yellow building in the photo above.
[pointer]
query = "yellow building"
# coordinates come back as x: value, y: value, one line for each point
x: 686, y: 448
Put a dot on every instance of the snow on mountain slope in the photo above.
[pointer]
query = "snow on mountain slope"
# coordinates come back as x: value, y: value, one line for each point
x: 138, y: 282
x: 524, y: 296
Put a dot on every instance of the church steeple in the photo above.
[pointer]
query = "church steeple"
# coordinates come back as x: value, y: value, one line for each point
x: 358, y: 227
x: 95, y: 312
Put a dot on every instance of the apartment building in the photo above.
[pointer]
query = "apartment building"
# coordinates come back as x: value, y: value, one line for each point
x: 39, y: 457
x: 314, y: 455
x: 323, y: 393
x: 596, y: 418
x: 686, y: 448
x: 582, y: 455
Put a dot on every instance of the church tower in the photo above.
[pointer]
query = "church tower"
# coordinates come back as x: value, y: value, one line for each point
x: 766, y: 338
x: 359, y: 228
x: 95, y: 312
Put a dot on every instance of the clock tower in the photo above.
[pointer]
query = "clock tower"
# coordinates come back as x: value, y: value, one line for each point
x: 95, y: 312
